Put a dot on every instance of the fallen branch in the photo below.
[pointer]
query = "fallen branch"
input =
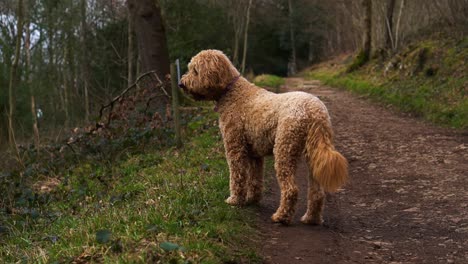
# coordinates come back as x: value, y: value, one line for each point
x: 122, y: 94
x: 100, y: 124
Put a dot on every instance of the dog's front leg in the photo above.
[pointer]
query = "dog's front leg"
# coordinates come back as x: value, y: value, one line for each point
x: 238, y: 161
x: 238, y: 164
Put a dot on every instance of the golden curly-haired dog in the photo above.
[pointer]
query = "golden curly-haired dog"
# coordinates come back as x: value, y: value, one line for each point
x: 255, y: 122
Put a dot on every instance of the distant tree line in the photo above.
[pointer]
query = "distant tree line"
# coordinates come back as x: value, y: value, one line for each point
x: 60, y: 60
x: 392, y: 24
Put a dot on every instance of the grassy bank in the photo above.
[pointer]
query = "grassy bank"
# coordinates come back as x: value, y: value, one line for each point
x: 154, y: 205
x: 268, y: 81
x: 428, y: 79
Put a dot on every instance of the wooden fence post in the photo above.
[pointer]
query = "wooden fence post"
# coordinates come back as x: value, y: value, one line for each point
x: 175, y: 105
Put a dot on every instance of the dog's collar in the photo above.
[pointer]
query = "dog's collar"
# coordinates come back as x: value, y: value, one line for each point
x: 226, y: 90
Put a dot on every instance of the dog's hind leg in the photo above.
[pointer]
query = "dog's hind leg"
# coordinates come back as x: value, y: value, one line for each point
x: 285, y: 167
x: 255, y: 183
x: 287, y: 150
x: 315, y: 202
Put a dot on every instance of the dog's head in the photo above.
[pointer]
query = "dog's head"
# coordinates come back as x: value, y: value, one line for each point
x: 209, y: 73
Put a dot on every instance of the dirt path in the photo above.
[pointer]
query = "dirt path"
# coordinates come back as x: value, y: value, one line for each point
x: 407, y: 201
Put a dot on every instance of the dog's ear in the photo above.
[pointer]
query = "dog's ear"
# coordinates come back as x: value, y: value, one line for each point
x: 217, y: 70
x: 211, y: 72
x: 226, y: 71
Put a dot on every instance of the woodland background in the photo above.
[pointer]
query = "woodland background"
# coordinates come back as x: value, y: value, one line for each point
x: 67, y: 58
x: 91, y: 169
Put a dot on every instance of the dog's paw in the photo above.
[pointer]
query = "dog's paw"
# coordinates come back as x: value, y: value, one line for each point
x: 281, y: 218
x: 311, y: 220
x: 235, y: 201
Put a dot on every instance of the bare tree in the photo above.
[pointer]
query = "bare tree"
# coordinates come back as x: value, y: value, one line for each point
x: 14, y: 75
x: 236, y: 12
x: 393, y: 32
x: 341, y: 29
x: 246, y: 34
x: 27, y: 49
x: 390, y: 43
x: 84, y: 58
x: 67, y: 78
x: 397, y: 29
x: 292, y: 65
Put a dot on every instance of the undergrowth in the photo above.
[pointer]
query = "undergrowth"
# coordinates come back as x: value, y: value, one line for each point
x: 131, y: 205
x: 428, y: 79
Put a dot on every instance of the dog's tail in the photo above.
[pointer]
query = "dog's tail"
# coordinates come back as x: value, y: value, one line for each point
x: 327, y: 166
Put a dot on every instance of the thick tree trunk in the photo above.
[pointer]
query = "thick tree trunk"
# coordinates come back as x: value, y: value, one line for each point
x: 246, y: 34
x: 151, y: 36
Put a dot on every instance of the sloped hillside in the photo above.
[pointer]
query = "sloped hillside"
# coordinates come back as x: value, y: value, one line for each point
x: 428, y: 78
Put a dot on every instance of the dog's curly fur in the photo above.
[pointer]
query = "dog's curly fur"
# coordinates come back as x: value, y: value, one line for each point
x: 255, y: 122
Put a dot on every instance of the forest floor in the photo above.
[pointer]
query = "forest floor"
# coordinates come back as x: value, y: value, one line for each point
x: 407, y: 199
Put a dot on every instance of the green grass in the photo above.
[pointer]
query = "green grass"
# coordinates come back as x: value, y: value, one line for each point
x: 158, y: 205
x: 432, y: 84
x: 269, y: 81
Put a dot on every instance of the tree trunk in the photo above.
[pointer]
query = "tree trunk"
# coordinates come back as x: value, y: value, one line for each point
x: 130, y: 52
x: 52, y: 75
x: 236, y: 11
x: 138, y: 64
x: 67, y: 76
x: 235, y: 56
x: 389, y: 42
x: 13, y: 75
x: 247, y: 20
x: 151, y: 36
x: 367, y: 42
x: 27, y: 46
x: 35, y: 124
x: 397, y: 29
x: 86, y: 102
x: 292, y: 63
x: 84, y: 59
x: 311, y: 57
